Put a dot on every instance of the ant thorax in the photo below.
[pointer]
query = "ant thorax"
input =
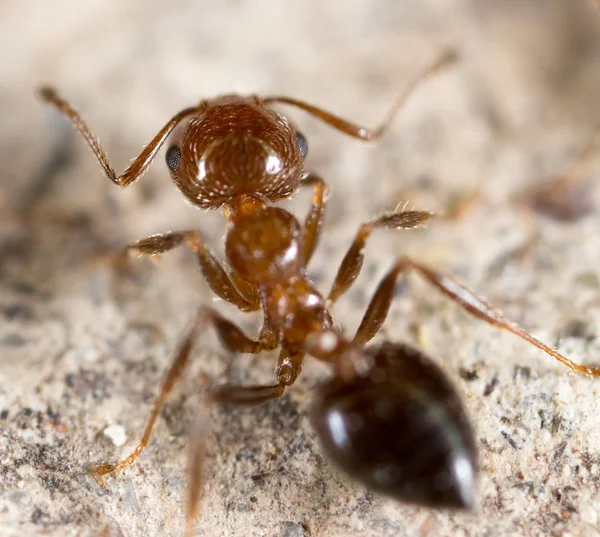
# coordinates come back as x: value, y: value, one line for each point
x: 265, y: 245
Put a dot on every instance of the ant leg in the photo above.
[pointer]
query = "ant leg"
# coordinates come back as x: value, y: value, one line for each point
x: 141, y: 164
x: 363, y: 133
x: 289, y: 366
x: 231, y: 337
x: 353, y: 260
x: 228, y: 286
x: 314, y: 219
x: 195, y: 470
x: 466, y: 299
x: 246, y: 395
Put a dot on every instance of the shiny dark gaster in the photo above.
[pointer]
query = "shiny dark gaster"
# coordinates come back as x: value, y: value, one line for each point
x: 388, y: 415
x: 401, y: 429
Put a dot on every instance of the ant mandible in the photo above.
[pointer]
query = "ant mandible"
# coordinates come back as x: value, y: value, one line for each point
x: 388, y: 415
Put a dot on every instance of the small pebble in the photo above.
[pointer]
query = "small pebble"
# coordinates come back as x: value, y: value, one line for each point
x: 117, y: 434
x: 292, y: 530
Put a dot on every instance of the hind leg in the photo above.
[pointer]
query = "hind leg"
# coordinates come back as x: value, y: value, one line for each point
x: 288, y: 369
x: 231, y: 337
x: 380, y: 303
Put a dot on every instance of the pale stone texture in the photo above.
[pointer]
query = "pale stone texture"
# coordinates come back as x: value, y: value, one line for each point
x: 82, y: 351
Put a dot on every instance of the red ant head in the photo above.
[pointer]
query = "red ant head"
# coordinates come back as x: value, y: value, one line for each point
x: 400, y: 429
x: 234, y: 146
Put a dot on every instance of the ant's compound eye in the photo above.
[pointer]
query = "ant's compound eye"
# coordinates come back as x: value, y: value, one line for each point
x: 302, y: 143
x: 173, y: 157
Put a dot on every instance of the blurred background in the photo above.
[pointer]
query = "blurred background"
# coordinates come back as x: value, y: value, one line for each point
x: 83, y: 349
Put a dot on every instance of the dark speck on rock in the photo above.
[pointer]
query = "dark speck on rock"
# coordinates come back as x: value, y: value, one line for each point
x: 12, y: 340
x: 577, y: 329
x: 468, y: 374
x: 18, y: 312
x: 174, y: 481
x: 50, y: 483
x: 521, y: 373
x: 292, y: 530
x: 245, y: 454
x: 426, y: 181
x: 511, y: 440
x: 491, y: 386
x: 25, y: 288
x: 37, y: 515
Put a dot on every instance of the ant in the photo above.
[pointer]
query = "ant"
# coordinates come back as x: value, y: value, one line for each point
x: 388, y: 415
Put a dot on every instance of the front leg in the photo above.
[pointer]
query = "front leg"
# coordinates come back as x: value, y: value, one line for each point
x: 314, y: 219
x: 228, y: 286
